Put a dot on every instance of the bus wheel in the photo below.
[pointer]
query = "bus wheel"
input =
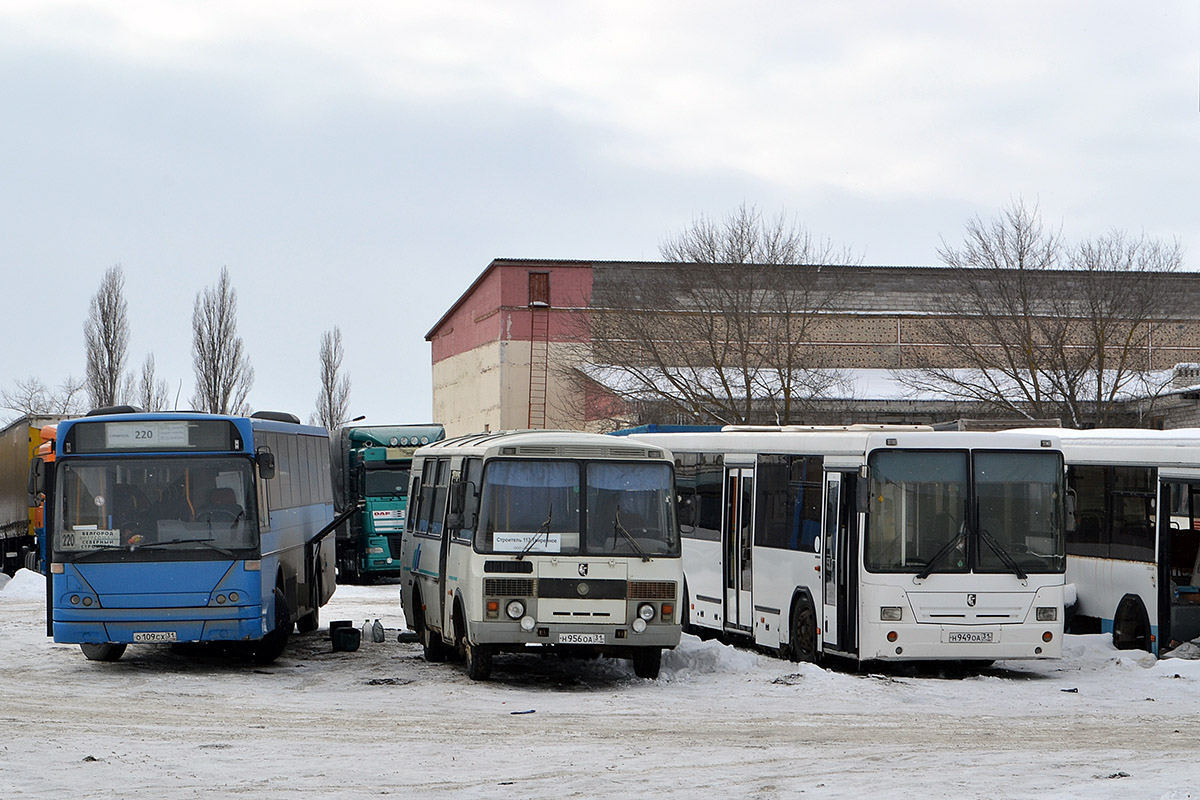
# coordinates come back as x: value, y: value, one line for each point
x: 685, y: 619
x: 478, y: 658
x: 646, y: 662
x: 109, y: 651
x: 271, y: 646
x: 1131, y: 626
x: 803, y: 644
x: 431, y: 642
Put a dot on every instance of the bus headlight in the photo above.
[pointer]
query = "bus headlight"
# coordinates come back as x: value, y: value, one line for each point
x: 645, y: 612
x: 639, y: 625
x: 1047, y: 613
x: 891, y: 613
x: 515, y: 609
x: 527, y: 623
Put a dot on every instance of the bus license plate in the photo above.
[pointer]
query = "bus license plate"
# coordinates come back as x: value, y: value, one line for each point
x: 154, y: 636
x: 970, y: 637
x: 581, y: 638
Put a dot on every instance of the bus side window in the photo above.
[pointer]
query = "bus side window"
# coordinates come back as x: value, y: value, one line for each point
x: 424, y: 522
x: 440, y: 495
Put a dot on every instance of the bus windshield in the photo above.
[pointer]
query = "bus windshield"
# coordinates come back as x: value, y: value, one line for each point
x: 539, y: 507
x: 120, y: 508
x: 1019, y: 495
x: 386, y: 483
x: 917, y: 513
x: 918, y: 519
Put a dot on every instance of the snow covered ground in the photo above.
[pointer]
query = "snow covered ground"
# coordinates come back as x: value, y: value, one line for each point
x: 719, y: 723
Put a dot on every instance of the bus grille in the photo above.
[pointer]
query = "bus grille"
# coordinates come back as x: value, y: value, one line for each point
x: 651, y: 590
x: 508, y: 587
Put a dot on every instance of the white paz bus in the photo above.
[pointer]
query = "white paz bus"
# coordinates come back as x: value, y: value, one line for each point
x: 551, y: 541
x: 872, y: 543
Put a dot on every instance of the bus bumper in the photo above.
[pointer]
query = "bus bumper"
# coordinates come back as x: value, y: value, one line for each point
x: 239, y: 623
x: 914, y: 642
x: 508, y: 634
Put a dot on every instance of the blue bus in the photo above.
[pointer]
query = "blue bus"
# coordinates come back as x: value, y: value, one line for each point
x: 187, y: 527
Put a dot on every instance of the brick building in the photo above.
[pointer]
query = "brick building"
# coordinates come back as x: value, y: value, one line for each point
x: 512, y: 351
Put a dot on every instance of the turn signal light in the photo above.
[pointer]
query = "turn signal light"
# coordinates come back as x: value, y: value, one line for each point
x: 1047, y: 636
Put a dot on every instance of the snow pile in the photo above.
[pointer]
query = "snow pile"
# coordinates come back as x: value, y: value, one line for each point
x: 25, y: 585
x: 694, y: 657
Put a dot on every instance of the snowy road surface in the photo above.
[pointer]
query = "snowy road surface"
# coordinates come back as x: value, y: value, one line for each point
x: 719, y: 723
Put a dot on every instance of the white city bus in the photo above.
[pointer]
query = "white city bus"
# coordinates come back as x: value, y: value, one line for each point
x: 872, y: 543
x: 1136, y: 571
x: 553, y: 540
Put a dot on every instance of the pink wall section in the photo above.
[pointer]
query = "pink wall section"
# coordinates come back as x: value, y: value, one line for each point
x: 496, y: 307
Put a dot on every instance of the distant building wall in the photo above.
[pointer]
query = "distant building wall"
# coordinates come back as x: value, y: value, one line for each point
x: 495, y: 348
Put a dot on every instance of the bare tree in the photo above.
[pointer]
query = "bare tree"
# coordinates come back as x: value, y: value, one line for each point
x: 153, y: 394
x: 1034, y: 327
x: 333, y: 401
x: 724, y: 333
x: 106, y: 332
x: 34, y: 397
x: 223, y: 372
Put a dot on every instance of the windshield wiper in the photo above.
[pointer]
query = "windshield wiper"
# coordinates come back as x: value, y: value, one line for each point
x: 544, y: 528
x: 83, y: 555
x: 999, y: 550
x: 206, y: 542
x: 927, y: 570
x: 619, y: 528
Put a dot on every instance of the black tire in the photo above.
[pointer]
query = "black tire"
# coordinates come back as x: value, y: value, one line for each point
x: 685, y: 618
x: 646, y: 662
x: 347, y: 571
x: 108, y: 651
x: 271, y: 646
x: 478, y: 659
x: 433, y: 647
x: 803, y: 633
x: 1131, y: 625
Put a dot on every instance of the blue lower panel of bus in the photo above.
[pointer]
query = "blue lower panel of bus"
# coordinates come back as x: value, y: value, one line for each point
x: 190, y: 601
x: 163, y: 625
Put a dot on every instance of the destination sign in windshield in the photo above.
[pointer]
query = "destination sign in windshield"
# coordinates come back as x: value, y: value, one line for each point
x: 146, y: 433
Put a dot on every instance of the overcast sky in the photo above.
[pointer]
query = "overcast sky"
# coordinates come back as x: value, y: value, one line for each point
x: 359, y: 164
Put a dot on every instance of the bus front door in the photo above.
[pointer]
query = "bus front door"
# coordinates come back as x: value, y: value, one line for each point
x: 1179, y: 564
x: 737, y: 548
x: 840, y: 568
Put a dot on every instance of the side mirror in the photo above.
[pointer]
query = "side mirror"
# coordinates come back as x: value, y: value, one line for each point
x: 37, y: 479
x: 266, y: 464
x: 1070, y: 508
x: 685, y: 509
x: 862, y: 494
